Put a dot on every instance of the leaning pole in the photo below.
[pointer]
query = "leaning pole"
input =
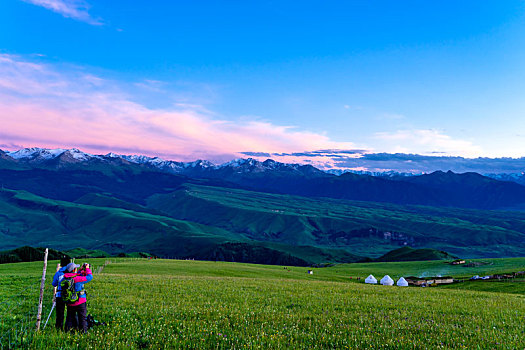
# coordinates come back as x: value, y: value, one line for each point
x: 42, y: 286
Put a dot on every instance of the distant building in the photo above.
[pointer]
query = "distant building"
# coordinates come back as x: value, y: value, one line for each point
x: 443, y: 280
x: 458, y: 262
x: 429, y: 281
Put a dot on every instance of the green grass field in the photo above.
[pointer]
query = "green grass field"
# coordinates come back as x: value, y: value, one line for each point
x: 169, y: 304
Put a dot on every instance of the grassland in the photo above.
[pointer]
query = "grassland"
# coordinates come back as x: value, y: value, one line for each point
x: 26, y: 218
x: 166, y: 304
x: 201, y: 222
x: 345, y: 224
x: 65, y: 225
x: 195, y: 221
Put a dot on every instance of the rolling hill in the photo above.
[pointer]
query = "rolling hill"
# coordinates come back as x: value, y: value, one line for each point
x: 410, y: 254
x: 364, y: 228
x: 29, y: 219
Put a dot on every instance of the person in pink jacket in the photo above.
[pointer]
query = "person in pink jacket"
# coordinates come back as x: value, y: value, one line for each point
x: 78, y: 310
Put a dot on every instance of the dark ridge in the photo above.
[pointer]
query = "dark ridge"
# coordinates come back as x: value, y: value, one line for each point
x: 249, y: 253
x: 410, y: 254
x: 27, y: 254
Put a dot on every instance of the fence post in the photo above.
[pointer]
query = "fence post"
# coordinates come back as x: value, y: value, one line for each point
x: 42, y: 286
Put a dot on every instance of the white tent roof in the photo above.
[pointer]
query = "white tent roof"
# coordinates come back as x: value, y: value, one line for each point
x: 387, y: 281
x: 371, y: 279
x: 402, y: 282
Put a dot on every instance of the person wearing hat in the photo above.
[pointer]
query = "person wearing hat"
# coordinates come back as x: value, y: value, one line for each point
x: 78, y: 310
x: 60, y: 305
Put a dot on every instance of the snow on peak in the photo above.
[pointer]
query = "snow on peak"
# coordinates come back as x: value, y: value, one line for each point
x: 154, y: 162
x: 79, y: 155
x: 239, y: 165
x: 140, y: 159
x: 36, y: 153
x: 250, y: 164
x: 112, y: 155
x: 43, y: 154
x: 232, y: 163
x: 199, y: 163
x: 240, y: 162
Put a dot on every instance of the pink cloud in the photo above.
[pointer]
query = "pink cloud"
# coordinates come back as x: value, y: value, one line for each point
x: 41, y: 105
x: 428, y: 141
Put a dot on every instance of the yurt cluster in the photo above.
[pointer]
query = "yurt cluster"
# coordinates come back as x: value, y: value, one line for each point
x: 413, y: 281
x: 387, y: 281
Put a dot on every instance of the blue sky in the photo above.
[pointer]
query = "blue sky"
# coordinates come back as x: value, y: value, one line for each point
x: 277, y: 76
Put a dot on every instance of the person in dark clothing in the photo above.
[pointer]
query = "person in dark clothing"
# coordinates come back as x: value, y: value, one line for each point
x: 59, y: 303
x: 78, y: 310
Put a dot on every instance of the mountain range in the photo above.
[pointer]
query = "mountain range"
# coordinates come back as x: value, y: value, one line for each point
x: 398, y: 165
x: 387, y: 164
x: 468, y: 190
x: 248, y: 210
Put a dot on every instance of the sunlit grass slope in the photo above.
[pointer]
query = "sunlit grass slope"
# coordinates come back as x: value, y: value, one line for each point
x: 163, y: 304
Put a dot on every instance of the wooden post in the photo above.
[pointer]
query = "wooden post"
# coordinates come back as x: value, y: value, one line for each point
x: 42, y: 286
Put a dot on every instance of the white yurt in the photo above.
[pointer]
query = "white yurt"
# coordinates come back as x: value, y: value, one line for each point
x: 371, y: 280
x: 387, y: 281
x: 402, y: 282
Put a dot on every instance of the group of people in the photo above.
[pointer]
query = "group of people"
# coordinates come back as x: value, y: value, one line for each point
x: 69, y: 281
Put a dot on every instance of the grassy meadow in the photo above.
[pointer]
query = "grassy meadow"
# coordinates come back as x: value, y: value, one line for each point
x: 167, y: 304
x: 344, y: 224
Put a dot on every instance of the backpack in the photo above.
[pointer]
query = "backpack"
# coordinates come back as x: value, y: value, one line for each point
x: 67, y: 289
x: 91, y: 321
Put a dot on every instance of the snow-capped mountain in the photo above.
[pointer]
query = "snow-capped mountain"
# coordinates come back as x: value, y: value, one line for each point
x: 152, y: 162
x: 139, y: 159
x: 36, y: 154
x: 465, y: 190
x: 250, y: 165
x: 388, y: 174
x: 59, y: 158
x: 199, y: 164
x: 78, y: 155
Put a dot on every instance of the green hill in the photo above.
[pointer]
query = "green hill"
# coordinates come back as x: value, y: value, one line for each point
x: 66, y: 225
x: 30, y: 219
x: 218, y: 223
x: 87, y: 253
x: 106, y: 200
x: 410, y: 254
x: 363, y: 228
